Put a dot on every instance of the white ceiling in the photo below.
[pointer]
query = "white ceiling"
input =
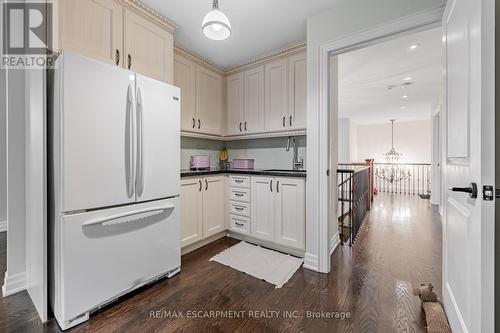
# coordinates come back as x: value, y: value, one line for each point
x: 365, y: 74
x: 258, y: 26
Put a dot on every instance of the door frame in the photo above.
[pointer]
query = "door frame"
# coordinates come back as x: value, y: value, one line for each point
x: 319, y: 195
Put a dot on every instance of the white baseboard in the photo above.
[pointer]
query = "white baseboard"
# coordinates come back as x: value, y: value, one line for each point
x: 203, y: 242
x: 13, y: 283
x: 334, y: 241
x: 311, y: 262
x: 3, y: 226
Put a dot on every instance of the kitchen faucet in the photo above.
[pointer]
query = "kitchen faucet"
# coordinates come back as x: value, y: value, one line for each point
x: 296, y: 164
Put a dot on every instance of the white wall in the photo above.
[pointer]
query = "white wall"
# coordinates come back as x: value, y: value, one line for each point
x: 411, y: 138
x: 3, y: 151
x: 269, y: 153
x: 344, y: 140
x: 15, y: 277
x: 347, y: 18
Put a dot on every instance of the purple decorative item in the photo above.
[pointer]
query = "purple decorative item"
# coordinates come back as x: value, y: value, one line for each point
x: 246, y: 164
x: 200, y: 162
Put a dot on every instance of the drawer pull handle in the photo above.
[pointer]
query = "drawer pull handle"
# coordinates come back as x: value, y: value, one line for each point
x: 239, y: 224
x: 238, y: 194
x: 238, y: 180
x: 239, y: 208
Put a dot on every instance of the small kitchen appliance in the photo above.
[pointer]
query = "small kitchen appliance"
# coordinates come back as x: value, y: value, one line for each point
x: 200, y: 162
x: 243, y: 163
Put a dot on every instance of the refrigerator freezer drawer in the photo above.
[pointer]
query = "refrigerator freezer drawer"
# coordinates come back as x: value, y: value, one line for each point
x: 104, y: 254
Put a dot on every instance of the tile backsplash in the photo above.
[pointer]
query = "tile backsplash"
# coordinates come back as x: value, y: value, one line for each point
x: 268, y: 153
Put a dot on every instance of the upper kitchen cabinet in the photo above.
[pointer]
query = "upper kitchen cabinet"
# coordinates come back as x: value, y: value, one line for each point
x: 93, y: 28
x: 297, y: 96
x: 209, y: 101
x: 185, y: 78
x: 276, y: 95
x: 116, y: 32
x: 148, y: 47
x: 235, y: 103
x: 202, y: 96
x: 254, y: 113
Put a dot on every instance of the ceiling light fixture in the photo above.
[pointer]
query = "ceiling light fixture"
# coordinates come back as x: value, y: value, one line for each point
x: 414, y: 46
x: 408, y: 78
x: 405, y: 96
x: 215, y: 24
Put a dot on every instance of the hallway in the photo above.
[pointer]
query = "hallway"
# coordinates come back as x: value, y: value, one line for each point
x: 398, y: 247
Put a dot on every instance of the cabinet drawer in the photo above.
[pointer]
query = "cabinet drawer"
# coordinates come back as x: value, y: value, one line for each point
x: 239, y: 208
x: 239, y: 224
x: 239, y: 181
x: 239, y: 194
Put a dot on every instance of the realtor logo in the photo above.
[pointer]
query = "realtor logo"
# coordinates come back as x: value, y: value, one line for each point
x: 27, y: 33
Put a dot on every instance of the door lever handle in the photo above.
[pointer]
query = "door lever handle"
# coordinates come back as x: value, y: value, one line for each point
x: 472, y: 190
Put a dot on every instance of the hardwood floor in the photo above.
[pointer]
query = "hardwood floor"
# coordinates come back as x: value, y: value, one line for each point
x: 398, y: 247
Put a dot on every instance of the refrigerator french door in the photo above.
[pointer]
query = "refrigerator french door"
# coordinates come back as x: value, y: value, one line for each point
x: 115, y: 155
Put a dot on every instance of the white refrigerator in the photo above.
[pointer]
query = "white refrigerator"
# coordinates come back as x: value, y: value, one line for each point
x: 114, y: 166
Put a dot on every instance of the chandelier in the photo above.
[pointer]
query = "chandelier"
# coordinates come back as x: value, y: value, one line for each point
x: 392, y: 171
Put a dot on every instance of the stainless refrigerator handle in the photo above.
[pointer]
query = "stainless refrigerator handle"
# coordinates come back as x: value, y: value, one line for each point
x: 139, y: 160
x: 155, y: 209
x: 130, y: 137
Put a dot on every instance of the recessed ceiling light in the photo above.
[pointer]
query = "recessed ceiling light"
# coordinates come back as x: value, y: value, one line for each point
x: 405, y: 96
x: 402, y: 107
x: 408, y: 78
x: 414, y: 46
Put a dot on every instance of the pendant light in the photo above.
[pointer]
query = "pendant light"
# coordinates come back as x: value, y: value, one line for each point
x: 215, y: 24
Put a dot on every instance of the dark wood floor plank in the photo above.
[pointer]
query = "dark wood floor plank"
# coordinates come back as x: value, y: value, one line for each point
x: 398, y: 247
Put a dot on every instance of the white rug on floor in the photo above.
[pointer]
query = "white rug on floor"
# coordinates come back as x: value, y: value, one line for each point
x: 268, y: 265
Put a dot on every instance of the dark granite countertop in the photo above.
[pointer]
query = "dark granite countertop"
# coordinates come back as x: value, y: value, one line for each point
x: 258, y: 172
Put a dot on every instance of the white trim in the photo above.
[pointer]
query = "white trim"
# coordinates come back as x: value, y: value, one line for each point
x: 318, y: 110
x: 13, y: 284
x: 311, y: 261
x: 244, y: 137
x: 454, y: 317
x: 3, y: 226
x: 334, y: 242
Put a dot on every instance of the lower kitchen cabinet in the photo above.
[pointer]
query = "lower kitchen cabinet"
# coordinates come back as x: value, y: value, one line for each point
x: 278, y: 210
x: 202, y: 208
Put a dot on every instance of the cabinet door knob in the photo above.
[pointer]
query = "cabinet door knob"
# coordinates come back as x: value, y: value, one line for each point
x: 246, y: 126
x: 129, y: 58
x: 283, y: 121
x: 290, y: 121
x: 194, y: 123
x: 278, y: 186
x: 206, y: 185
x: 240, y: 126
x: 199, y: 123
x: 117, y: 57
x: 199, y: 182
x: 271, y: 185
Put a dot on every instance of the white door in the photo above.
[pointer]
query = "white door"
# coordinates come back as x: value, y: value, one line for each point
x: 208, y: 101
x: 158, y: 139
x: 290, y: 212
x: 276, y: 96
x: 468, y: 230
x: 262, y: 207
x: 254, y: 101
x: 96, y: 115
x: 214, y: 190
x: 185, y: 79
x: 297, y: 86
x: 234, y: 104
x: 191, y: 211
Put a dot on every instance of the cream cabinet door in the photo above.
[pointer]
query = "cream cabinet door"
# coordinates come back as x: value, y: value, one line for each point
x: 276, y: 95
x: 148, y: 48
x: 289, y: 212
x: 214, y: 190
x: 93, y: 28
x: 208, y: 101
x: 185, y: 78
x: 254, y: 101
x: 297, y: 85
x: 235, y: 104
x: 191, y: 211
x: 262, y: 207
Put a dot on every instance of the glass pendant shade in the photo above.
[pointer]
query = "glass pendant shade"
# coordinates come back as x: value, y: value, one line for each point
x: 215, y: 24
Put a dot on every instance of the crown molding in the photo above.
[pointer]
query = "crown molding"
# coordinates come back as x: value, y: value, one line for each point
x: 195, y: 56
x: 293, y: 48
x: 144, y: 9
